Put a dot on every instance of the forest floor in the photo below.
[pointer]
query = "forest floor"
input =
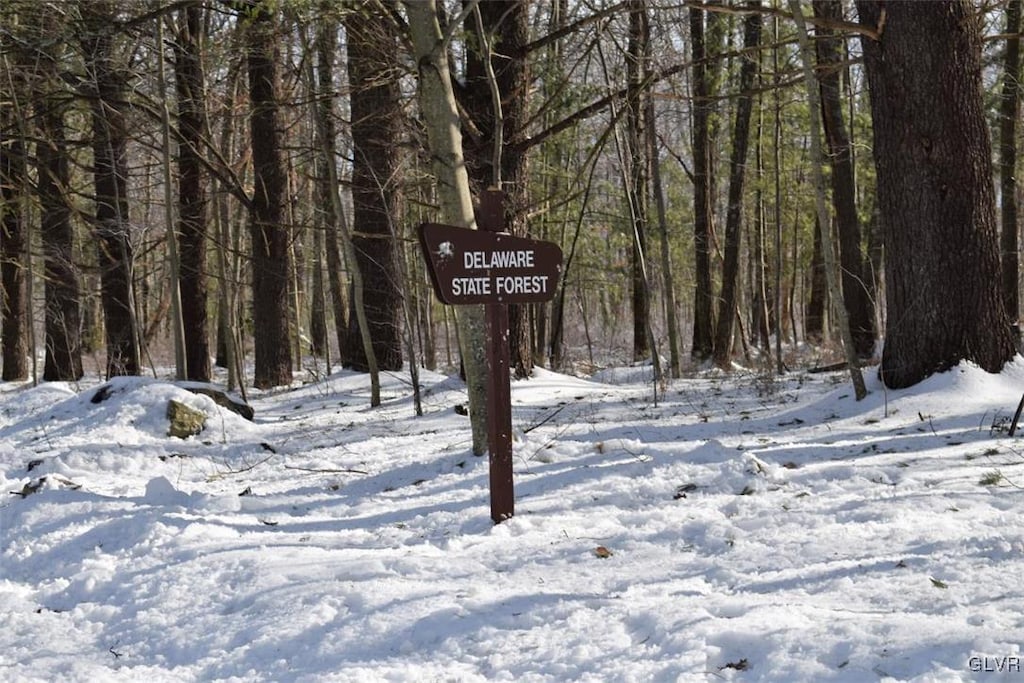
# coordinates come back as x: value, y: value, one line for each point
x: 742, y: 527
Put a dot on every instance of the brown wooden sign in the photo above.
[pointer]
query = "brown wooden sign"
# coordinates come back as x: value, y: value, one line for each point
x: 476, y: 267
x: 488, y: 266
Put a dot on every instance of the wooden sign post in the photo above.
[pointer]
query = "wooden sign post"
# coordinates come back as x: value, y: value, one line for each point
x: 499, y: 387
x: 491, y: 267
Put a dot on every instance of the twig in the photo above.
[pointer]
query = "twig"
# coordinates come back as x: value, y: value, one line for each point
x: 220, y: 475
x: 324, y: 470
x: 547, y: 419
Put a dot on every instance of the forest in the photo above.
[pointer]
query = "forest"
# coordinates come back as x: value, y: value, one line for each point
x: 237, y: 183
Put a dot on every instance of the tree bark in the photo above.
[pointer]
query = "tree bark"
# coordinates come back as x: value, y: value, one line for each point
x: 814, y: 309
x: 737, y: 175
x: 63, y: 319
x: 703, y: 200
x: 376, y: 121
x: 318, y: 343
x: 361, y: 329
x: 761, y: 298
x: 668, y: 272
x: 13, y: 187
x: 639, y: 194
x: 192, y: 199
x: 271, y: 258
x: 108, y: 79
x: 935, y: 192
x: 173, y: 257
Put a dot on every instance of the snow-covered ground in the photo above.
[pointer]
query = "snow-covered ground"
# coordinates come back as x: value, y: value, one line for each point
x: 741, y: 528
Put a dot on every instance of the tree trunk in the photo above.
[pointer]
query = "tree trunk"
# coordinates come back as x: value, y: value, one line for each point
x: 668, y: 273
x: 376, y: 121
x: 638, y: 195
x: 1009, y: 110
x: 318, y: 302
x: 63, y: 320
x: 13, y: 186
x: 821, y: 210
x: 325, y: 41
x: 761, y: 299
x: 110, y: 172
x: 935, y: 192
x: 441, y: 117
x: 271, y: 259
x: 737, y: 175
x: 192, y: 200
x: 228, y: 253
x: 780, y: 313
x: 856, y: 297
x: 173, y: 257
x: 703, y: 199
x: 814, y: 309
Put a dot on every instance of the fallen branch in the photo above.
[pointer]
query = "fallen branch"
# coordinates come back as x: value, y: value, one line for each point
x: 318, y: 470
x: 547, y: 419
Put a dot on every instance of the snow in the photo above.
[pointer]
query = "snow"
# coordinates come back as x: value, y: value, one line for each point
x: 742, y: 527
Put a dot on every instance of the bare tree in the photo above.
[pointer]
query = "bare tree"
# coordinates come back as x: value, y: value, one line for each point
x: 737, y: 176
x: 856, y: 299
x: 326, y: 38
x: 821, y: 210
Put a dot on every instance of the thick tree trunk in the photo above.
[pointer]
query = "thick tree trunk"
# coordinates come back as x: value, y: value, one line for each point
x: 935, y: 191
x: 856, y: 297
x: 271, y: 258
x: 192, y: 200
x: 737, y: 175
x: 14, y: 326
x: 110, y: 172
x: 376, y: 122
x: 63, y: 319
